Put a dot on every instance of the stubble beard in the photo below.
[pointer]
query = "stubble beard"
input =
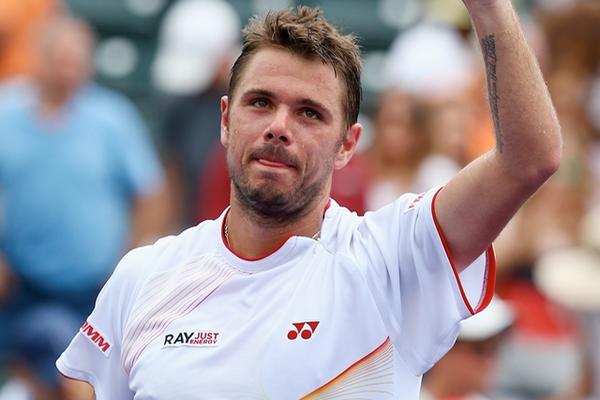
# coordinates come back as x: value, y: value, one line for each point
x: 268, y: 205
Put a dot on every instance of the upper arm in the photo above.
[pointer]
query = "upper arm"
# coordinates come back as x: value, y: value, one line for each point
x: 76, y: 390
x: 475, y: 206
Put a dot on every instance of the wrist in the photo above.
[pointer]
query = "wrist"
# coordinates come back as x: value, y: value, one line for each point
x: 486, y: 6
x: 491, y: 15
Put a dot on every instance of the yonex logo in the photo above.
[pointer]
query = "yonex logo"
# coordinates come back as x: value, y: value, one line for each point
x: 304, y: 329
x: 92, y: 334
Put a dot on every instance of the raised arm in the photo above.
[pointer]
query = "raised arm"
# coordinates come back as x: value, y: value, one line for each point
x: 474, y: 207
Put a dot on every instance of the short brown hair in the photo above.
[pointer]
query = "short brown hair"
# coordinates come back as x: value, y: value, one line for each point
x: 305, y: 33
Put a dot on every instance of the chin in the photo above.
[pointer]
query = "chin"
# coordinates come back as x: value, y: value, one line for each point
x: 272, y: 203
x: 270, y: 196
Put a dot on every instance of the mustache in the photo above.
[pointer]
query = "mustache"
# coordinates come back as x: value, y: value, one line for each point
x: 276, y: 153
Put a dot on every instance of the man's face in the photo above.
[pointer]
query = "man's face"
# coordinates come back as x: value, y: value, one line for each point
x: 396, y: 134
x: 284, y: 133
x: 66, y: 62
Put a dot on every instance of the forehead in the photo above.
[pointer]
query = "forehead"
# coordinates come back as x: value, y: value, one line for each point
x: 68, y: 40
x: 283, y: 73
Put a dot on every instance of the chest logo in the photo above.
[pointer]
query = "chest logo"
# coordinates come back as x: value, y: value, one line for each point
x: 192, y: 339
x: 303, y: 329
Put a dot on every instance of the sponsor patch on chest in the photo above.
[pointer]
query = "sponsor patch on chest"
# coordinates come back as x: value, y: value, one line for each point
x: 192, y: 339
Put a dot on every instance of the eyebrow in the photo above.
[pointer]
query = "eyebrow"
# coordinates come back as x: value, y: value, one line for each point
x: 304, y: 101
x: 258, y: 92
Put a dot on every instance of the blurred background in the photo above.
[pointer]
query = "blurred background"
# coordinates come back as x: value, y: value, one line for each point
x: 109, y: 139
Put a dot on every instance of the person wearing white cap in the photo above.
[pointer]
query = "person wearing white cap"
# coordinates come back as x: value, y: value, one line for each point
x: 465, y: 372
x: 424, y: 116
x: 198, y: 42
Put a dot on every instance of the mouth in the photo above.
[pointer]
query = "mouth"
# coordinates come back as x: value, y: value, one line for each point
x: 275, y: 157
x: 273, y: 163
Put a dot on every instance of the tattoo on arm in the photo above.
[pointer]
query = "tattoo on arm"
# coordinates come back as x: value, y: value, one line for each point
x: 488, y: 46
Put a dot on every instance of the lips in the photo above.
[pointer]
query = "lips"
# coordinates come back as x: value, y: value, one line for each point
x: 274, y: 157
x: 273, y: 163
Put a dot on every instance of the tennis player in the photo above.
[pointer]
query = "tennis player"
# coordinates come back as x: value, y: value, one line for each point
x: 288, y: 295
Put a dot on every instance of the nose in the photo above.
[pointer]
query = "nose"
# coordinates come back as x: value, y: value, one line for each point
x: 278, y: 131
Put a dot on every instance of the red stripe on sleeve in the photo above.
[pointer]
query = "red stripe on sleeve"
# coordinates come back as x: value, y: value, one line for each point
x: 489, y: 283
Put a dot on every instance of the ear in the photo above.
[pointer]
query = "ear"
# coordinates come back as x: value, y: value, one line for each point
x: 225, y: 121
x: 348, y: 147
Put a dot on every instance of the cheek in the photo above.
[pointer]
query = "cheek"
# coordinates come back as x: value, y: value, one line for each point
x: 235, y: 148
x: 246, y: 129
x: 322, y: 159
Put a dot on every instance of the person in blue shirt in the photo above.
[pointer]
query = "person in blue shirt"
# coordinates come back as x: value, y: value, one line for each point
x: 79, y: 185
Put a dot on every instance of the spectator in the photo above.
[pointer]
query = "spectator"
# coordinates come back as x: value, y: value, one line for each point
x: 79, y: 185
x: 571, y: 277
x: 543, y: 357
x: 421, y: 121
x: 399, y: 147
x: 199, y: 39
x: 409, y: 153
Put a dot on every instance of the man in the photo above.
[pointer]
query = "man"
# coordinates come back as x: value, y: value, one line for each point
x: 287, y: 295
x: 79, y: 185
x: 199, y: 41
x: 467, y: 370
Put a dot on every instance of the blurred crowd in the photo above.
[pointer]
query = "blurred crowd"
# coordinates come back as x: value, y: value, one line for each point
x: 84, y: 177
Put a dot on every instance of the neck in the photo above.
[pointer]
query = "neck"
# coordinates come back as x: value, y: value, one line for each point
x: 52, y: 102
x: 253, y: 237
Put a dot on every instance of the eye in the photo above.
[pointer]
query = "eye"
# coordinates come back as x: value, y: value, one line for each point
x: 311, y: 114
x: 260, y: 103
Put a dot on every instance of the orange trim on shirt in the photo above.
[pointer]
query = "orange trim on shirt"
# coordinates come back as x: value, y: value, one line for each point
x: 368, y: 375
x: 489, y: 278
x: 327, y: 206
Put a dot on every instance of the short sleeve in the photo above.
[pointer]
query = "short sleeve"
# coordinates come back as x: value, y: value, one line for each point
x: 94, y: 354
x: 410, y: 272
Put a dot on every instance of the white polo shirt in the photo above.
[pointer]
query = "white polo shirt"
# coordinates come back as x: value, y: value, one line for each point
x: 361, y: 313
